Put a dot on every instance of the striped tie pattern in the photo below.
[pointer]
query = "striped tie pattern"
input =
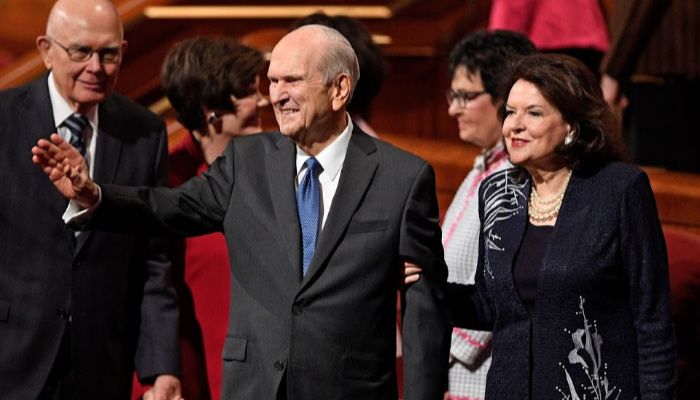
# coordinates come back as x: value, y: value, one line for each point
x: 76, y: 124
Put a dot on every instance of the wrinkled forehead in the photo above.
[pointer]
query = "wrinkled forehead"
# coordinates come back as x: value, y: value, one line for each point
x: 294, y: 58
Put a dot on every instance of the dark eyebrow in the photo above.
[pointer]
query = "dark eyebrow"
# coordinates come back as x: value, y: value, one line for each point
x: 79, y: 46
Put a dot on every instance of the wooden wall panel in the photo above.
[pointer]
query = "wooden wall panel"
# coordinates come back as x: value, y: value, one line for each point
x: 409, y: 111
x: 677, y: 194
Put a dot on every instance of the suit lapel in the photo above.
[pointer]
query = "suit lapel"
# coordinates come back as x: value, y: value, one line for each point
x: 40, y: 125
x: 109, y: 146
x: 512, y: 236
x: 358, y: 169
x: 571, y: 223
x: 107, y: 151
x: 280, y: 165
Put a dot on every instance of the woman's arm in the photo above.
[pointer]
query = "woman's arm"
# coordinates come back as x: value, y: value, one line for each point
x: 646, y: 263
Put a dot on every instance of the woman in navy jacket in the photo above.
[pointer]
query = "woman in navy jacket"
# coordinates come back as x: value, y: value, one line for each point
x: 572, y: 275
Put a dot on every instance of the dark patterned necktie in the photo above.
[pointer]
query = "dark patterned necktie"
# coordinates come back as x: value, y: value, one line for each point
x: 309, y: 206
x: 76, y: 124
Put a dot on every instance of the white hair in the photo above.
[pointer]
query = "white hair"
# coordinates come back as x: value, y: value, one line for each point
x: 339, y: 57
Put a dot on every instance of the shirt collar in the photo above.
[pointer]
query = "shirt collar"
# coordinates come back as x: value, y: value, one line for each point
x: 484, y: 160
x: 332, y: 157
x: 61, y: 109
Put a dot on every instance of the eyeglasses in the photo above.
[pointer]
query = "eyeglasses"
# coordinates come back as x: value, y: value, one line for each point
x: 462, y: 97
x: 107, y: 55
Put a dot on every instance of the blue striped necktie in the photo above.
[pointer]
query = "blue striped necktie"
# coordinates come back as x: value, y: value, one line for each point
x: 309, y: 207
x: 76, y: 124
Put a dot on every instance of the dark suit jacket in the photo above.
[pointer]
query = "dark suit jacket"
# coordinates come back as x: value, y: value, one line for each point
x: 114, y: 287
x: 332, y: 333
x: 602, y: 298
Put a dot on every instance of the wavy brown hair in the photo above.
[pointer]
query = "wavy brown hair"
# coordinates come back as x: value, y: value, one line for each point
x: 568, y: 85
x: 206, y: 72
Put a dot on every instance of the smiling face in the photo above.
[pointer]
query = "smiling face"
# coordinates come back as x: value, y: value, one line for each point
x: 93, y: 25
x: 306, y: 109
x: 478, y: 121
x: 298, y: 94
x: 533, y: 128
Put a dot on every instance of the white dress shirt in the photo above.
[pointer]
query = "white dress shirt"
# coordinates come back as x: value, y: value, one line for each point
x: 331, y: 159
x: 61, y: 111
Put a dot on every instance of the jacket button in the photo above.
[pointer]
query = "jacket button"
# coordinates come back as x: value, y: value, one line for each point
x: 296, y: 310
x: 279, y: 365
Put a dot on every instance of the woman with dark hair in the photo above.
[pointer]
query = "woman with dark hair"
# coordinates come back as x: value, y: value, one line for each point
x: 212, y: 85
x: 572, y: 276
x: 476, y: 65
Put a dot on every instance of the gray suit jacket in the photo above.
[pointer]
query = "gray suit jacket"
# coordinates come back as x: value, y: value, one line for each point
x: 331, y: 333
x: 113, y: 287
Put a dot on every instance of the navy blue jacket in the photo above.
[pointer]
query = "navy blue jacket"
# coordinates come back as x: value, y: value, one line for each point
x: 601, y: 325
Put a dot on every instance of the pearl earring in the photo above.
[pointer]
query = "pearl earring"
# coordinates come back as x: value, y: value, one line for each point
x: 568, y: 140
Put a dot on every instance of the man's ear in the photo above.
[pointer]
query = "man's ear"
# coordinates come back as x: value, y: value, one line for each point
x: 43, y: 43
x: 340, y: 91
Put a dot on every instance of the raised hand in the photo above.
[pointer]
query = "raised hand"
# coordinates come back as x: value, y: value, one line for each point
x: 67, y: 170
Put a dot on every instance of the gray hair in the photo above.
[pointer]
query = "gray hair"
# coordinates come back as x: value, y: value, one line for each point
x: 339, y: 58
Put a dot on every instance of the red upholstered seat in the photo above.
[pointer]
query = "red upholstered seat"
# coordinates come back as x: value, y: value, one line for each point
x: 684, y: 272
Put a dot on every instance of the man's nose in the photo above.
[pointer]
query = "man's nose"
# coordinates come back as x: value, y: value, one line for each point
x: 94, y: 63
x: 278, y: 92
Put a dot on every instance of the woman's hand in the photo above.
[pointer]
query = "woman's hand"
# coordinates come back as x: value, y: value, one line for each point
x: 411, y: 272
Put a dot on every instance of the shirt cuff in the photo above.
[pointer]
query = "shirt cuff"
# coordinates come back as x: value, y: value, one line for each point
x: 76, y: 214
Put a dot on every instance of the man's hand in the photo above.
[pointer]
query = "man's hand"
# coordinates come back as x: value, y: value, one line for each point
x: 166, y: 387
x: 67, y: 170
x: 411, y: 272
x: 612, y: 94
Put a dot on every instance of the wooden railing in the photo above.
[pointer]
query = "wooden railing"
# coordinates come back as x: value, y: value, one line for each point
x: 410, y: 104
x: 677, y: 194
x: 30, y: 65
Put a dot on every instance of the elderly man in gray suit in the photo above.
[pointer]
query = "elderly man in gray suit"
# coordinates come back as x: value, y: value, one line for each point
x: 319, y: 218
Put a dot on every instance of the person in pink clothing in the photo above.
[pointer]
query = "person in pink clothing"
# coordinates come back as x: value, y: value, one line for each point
x: 574, y: 27
x: 212, y: 85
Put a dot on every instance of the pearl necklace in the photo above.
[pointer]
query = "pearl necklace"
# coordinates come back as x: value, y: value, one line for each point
x: 550, y: 207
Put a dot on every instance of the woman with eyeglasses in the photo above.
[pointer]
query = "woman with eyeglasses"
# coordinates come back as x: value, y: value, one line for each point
x: 212, y: 85
x: 477, y: 64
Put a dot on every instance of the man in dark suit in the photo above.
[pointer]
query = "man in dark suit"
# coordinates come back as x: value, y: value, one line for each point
x: 79, y: 310
x: 313, y: 279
